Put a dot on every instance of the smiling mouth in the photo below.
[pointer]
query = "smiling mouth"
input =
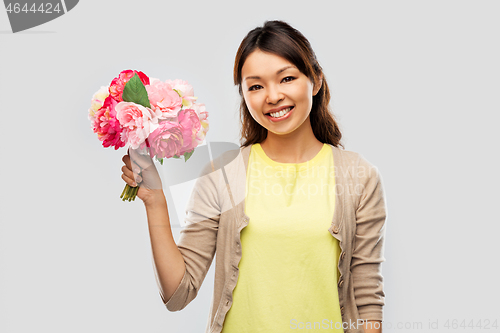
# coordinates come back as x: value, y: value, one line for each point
x: 280, y: 113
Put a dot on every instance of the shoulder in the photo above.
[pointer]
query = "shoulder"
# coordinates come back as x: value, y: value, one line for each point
x: 352, y: 157
x: 356, y: 166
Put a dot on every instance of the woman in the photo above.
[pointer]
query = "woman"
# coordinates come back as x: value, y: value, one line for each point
x: 297, y: 223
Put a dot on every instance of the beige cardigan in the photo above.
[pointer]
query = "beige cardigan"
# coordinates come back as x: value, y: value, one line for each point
x: 215, y: 218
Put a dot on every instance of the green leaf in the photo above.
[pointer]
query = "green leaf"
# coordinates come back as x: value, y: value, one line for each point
x: 160, y: 160
x: 175, y: 156
x: 135, y: 92
x: 188, y: 155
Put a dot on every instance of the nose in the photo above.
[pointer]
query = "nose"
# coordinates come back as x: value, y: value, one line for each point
x: 274, y: 95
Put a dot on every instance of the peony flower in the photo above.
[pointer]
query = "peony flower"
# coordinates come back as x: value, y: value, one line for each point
x: 163, y: 98
x: 190, y: 125
x: 137, y: 122
x: 199, y: 108
x: 166, y: 140
x: 185, y: 90
x: 106, y: 125
x: 97, y: 102
x: 118, y: 83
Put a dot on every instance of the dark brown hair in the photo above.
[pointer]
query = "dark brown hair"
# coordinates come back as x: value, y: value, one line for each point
x: 279, y: 38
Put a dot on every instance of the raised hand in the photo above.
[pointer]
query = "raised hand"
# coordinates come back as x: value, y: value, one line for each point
x: 139, y: 170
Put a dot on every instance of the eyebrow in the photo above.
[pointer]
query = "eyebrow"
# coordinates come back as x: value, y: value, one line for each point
x: 277, y: 73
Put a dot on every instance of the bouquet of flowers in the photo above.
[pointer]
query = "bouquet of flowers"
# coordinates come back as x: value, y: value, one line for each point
x: 142, y: 112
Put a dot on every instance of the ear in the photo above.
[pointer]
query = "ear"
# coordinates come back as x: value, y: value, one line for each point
x: 318, y: 86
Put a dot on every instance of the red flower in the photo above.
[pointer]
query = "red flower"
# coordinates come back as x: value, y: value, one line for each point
x: 118, y: 83
x: 106, y: 125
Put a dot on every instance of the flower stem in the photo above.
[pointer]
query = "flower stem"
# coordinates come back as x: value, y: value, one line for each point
x: 129, y: 193
x: 135, y: 192
x: 124, y: 191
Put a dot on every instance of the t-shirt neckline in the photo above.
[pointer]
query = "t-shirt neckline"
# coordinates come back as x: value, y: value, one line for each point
x: 317, y: 158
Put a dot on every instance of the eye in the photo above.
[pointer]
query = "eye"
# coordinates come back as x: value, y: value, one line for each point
x: 254, y: 87
x: 288, y: 79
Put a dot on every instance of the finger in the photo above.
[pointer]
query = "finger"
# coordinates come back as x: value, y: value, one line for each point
x: 129, y: 181
x: 127, y: 172
x: 136, y: 169
x: 131, y: 174
x: 126, y: 160
x: 133, y: 160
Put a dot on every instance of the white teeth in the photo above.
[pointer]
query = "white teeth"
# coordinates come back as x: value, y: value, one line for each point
x: 280, y: 113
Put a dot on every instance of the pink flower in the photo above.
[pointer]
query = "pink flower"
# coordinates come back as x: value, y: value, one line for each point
x: 166, y: 140
x: 163, y: 98
x: 118, y: 83
x: 190, y: 125
x: 200, y: 110
x: 202, y: 115
x: 106, y: 125
x: 137, y: 122
x: 185, y: 90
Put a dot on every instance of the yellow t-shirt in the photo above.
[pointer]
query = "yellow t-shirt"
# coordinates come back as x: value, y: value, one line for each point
x: 289, y: 266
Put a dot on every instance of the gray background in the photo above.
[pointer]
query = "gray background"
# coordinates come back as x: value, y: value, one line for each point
x: 415, y: 87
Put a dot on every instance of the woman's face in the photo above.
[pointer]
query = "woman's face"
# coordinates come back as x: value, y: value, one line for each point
x: 272, y: 84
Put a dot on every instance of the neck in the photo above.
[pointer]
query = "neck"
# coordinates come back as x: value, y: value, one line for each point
x: 296, y: 147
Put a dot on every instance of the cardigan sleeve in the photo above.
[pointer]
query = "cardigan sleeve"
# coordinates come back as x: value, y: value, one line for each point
x: 197, y: 242
x: 368, y: 253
